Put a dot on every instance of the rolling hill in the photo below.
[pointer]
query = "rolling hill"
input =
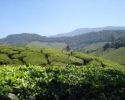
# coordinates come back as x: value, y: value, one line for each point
x: 114, y: 51
x: 76, y: 42
x: 116, y: 55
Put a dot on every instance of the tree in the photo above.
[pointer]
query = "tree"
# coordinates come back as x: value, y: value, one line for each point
x: 113, y: 39
x: 107, y: 45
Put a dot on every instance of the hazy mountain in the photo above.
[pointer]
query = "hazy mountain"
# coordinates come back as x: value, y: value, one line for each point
x: 76, y: 42
x: 87, y: 30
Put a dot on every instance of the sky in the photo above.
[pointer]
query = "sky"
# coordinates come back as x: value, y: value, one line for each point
x: 51, y: 17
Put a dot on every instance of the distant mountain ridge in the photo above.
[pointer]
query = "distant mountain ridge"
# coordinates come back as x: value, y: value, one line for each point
x: 87, y: 30
x: 76, y: 42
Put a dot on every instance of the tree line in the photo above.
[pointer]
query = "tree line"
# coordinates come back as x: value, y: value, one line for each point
x: 115, y: 43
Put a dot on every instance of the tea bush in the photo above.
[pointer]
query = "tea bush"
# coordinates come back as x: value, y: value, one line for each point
x: 62, y: 83
x: 34, y: 58
x: 46, y: 56
x: 76, y: 61
x: 4, y: 59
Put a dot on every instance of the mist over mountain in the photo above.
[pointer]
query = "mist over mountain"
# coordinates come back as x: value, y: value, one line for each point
x: 87, y: 30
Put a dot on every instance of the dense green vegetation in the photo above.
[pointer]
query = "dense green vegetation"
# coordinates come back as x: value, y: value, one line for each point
x: 76, y: 42
x: 62, y: 83
x: 15, y: 55
x: 53, y: 74
x: 115, y: 43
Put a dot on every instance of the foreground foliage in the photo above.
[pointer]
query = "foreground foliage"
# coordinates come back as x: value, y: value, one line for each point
x: 62, y: 83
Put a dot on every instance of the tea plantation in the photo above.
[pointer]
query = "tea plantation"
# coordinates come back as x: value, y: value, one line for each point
x: 62, y: 83
x: 51, y: 74
x: 14, y: 55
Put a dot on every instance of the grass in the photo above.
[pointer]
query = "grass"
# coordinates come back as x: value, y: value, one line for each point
x: 4, y: 59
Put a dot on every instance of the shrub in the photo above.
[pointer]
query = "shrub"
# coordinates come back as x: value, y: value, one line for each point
x: 16, y: 62
x: 62, y: 83
x: 76, y: 61
x: 4, y: 59
x: 59, y: 58
x: 82, y: 56
x: 34, y: 58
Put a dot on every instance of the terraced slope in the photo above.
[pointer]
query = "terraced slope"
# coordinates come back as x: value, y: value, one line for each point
x: 16, y: 55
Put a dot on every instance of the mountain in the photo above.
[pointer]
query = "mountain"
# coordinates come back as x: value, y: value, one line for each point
x: 87, y: 30
x: 21, y: 39
x: 76, y: 42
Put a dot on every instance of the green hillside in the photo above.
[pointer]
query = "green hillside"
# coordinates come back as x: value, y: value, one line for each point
x: 93, y: 47
x: 76, y: 42
x: 52, y: 74
x: 16, y: 55
x: 114, y: 51
x: 47, y: 44
x: 116, y: 55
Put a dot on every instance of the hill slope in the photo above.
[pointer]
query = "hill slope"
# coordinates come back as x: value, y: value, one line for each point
x: 47, y: 44
x: 13, y: 55
x: 114, y: 51
x: 76, y: 42
x: 116, y: 55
